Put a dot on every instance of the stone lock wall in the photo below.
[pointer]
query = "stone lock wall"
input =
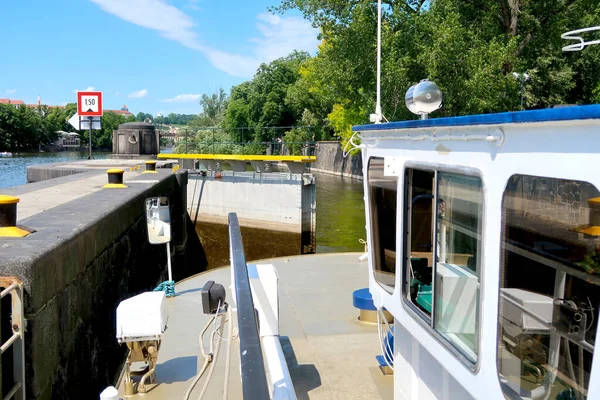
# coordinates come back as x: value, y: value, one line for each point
x: 86, y: 257
x: 330, y: 159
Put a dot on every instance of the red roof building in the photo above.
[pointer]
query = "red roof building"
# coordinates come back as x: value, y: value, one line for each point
x: 123, y: 111
x: 15, y: 103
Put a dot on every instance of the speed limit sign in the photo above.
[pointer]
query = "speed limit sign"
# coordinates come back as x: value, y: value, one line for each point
x: 89, y: 104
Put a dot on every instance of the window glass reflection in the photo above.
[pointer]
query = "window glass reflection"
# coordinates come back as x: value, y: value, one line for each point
x: 549, y: 287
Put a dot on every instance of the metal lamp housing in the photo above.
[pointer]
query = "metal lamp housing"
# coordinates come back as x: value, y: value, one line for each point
x: 423, y: 98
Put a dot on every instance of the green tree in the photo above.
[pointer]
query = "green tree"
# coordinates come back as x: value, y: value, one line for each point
x: 261, y: 102
x: 214, y: 105
x: 213, y: 110
x: 141, y: 117
x: 110, y: 121
x: 470, y: 48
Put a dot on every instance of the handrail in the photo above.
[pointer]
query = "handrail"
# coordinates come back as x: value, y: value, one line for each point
x: 14, y: 287
x: 254, y: 378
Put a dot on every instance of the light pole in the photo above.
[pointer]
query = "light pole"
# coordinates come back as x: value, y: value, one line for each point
x: 523, y: 78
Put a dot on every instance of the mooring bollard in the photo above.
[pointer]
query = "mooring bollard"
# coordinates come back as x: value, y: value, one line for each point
x: 8, y: 218
x: 115, y: 179
x: 150, y: 167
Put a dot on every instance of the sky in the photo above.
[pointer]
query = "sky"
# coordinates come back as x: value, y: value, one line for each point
x: 155, y: 56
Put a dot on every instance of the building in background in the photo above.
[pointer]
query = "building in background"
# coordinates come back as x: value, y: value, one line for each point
x: 68, y: 140
x: 124, y: 111
x: 15, y: 103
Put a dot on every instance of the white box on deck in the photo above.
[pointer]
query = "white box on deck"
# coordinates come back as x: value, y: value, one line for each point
x: 456, y: 291
x: 142, y: 317
x: 538, y: 304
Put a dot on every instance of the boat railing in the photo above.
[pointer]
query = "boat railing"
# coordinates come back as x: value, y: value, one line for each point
x: 254, y: 378
x: 14, y: 287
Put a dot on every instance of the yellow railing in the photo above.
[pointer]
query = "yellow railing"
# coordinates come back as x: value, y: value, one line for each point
x: 240, y: 157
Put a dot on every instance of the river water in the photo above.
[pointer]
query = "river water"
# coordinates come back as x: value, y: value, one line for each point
x: 13, y: 170
x: 340, y: 226
x: 340, y: 213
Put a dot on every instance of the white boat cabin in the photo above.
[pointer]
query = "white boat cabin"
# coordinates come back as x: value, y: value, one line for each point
x: 484, y: 245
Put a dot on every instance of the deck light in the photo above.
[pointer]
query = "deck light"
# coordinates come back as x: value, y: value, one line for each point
x: 423, y: 98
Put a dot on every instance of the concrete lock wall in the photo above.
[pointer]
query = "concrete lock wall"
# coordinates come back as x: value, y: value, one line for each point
x: 84, y: 258
x: 271, y: 201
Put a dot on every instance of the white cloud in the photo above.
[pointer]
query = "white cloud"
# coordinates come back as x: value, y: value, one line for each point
x: 11, y: 91
x: 139, y: 94
x: 88, y: 89
x: 278, y: 36
x: 117, y: 93
x: 157, y: 15
x: 282, y: 35
x: 184, y: 98
x: 192, y: 6
x: 233, y: 64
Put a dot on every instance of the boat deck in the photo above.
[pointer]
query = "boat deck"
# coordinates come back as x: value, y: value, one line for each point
x: 330, y: 354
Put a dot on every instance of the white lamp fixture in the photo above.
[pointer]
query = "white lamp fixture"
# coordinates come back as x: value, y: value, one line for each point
x: 141, y: 322
x: 423, y: 98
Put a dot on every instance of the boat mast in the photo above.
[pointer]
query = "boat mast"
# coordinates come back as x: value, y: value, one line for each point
x: 378, y: 103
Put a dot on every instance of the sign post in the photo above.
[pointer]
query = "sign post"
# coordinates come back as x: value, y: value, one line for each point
x: 89, y: 104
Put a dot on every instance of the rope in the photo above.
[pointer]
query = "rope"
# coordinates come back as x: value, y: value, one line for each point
x: 166, y: 286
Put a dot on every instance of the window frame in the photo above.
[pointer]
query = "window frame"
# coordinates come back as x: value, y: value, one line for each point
x: 425, y: 321
x: 371, y: 242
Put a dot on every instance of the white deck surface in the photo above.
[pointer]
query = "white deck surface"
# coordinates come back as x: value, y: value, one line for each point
x: 330, y: 354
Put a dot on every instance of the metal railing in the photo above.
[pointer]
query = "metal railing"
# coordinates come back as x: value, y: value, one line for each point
x: 254, y: 378
x: 270, y: 141
x: 14, y: 287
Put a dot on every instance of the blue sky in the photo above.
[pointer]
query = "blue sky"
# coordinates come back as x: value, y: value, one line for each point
x: 153, y: 55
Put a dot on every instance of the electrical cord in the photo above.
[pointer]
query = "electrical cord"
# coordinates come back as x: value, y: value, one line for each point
x: 208, y: 358
x: 228, y: 353
x: 381, y: 340
x: 216, y: 355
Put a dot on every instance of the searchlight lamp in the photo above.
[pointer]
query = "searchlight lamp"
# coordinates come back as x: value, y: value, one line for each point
x: 423, y: 98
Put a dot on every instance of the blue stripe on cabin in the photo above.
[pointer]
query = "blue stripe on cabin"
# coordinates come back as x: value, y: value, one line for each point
x: 518, y: 117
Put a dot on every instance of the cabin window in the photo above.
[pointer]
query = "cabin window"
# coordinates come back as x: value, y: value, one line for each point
x: 419, y: 239
x: 549, y: 287
x: 459, y: 213
x: 382, y: 196
x: 442, y: 275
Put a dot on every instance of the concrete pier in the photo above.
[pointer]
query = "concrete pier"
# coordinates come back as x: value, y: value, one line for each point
x: 88, y: 251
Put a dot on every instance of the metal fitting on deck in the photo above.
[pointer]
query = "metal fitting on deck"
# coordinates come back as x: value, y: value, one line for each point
x: 115, y: 179
x: 150, y: 167
x: 593, y: 229
x: 8, y: 218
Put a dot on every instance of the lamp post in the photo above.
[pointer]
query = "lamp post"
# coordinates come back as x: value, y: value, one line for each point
x: 523, y: 78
